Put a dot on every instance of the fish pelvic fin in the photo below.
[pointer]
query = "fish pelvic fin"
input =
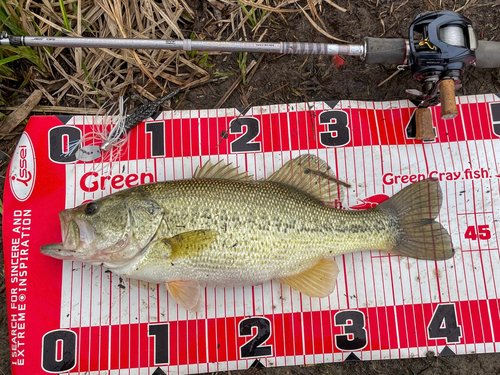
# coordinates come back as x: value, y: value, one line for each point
x: 187, y: 243
x: 186, y: 293
x: 220, y: 171
x: 318, y: 281
x: 416, y: 208
x: 310, y: 175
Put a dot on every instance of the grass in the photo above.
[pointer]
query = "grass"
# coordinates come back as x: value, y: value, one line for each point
x: 242, y: 64
x: 253, y: 15
x: 64, y: 15
x: 86, y: 71
x: 72, y: 76
x: 10, y: 17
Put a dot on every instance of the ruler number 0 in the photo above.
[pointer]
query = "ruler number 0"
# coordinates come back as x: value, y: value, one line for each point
x: 59, y: 351
x: 355, y: 336
x: 254, y: 347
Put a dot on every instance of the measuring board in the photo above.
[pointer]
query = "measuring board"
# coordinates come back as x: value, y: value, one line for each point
x: 66, y: 316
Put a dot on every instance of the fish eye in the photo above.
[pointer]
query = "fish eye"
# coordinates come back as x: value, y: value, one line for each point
x: 91, y: 208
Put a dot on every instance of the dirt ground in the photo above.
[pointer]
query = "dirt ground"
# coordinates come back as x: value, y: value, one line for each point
x: 285, y: 79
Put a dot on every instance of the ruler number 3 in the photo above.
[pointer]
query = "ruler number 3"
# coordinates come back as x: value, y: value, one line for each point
x: 354, y: 336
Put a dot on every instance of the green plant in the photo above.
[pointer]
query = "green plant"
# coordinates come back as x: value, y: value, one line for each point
x: 64, y: 15
x: 10, y: 18
x: 242, y: 63
x: 204, y: 62
x: 253, y: 18
x: 86, y: 71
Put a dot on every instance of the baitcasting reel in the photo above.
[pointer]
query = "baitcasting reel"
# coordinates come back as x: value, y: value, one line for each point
x: 442, y: 45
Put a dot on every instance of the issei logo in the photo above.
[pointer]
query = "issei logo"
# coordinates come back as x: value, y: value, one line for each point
x: 22, y: 169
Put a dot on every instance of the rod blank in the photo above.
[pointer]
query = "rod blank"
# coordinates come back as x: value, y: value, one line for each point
x: 186, y: 45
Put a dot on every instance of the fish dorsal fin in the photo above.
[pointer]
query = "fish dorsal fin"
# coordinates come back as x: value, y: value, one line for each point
x: 186, y: 293
x: 187, y: 243
x: 318, y: 281
x: 310, y: 175
x: 220, y: 171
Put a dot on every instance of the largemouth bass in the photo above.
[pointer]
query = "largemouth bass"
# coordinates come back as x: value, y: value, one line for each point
x: 222, y: 228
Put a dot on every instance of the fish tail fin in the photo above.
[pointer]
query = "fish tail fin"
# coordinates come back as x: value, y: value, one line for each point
x: 416, y: 208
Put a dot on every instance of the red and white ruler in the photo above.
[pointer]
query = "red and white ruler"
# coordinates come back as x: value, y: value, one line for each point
x: 72, y: 317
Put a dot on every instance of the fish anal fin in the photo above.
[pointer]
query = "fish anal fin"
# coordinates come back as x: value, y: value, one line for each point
x: 186, y: 293
x: 318, y: 281
x: 220, y: 171
x: 310, y: 175
x: 187, y: 243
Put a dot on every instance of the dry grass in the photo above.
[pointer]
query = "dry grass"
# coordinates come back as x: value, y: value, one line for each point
x: 89, y: 77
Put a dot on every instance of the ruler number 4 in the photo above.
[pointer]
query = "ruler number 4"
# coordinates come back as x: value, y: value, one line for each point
x: 444, y: 324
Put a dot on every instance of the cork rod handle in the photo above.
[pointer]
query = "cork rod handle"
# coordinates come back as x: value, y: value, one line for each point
x: 449, y: 108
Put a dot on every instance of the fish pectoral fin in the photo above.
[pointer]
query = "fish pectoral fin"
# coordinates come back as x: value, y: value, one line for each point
x: 318, y: 281
x: 186, y: 293
x: 187, y: 243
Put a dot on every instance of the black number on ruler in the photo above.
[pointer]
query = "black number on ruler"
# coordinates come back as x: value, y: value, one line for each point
x: 354, y: 337
x: 338, y: 133
x: 254, y: 347
x: 495, y: 117
x: 157, y: 130
x: 245, y: 143
x: 160, y: 333
x: 444, y: 325
x: 61, y: 139
x: 59, y: 351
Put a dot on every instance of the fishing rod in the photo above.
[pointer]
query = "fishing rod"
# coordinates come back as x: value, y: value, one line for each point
x: 441, y: 45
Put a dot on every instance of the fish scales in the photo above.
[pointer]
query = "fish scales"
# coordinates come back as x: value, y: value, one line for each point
x: 266, y: 230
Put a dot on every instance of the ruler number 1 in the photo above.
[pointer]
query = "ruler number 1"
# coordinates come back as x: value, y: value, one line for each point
x: 160, y: 332
x: 157, y: 130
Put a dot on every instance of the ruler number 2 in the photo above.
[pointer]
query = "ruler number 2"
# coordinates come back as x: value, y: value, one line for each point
x: 254, y: 347
x: 245, y: 143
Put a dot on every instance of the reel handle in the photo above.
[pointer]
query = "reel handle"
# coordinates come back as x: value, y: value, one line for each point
x: 448, y: 104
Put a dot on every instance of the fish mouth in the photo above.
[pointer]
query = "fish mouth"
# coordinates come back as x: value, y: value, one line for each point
x: 77, y: 233
x: 57, y: 250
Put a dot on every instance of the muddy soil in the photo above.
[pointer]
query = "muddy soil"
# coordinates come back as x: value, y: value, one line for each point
x: 286, y: 79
